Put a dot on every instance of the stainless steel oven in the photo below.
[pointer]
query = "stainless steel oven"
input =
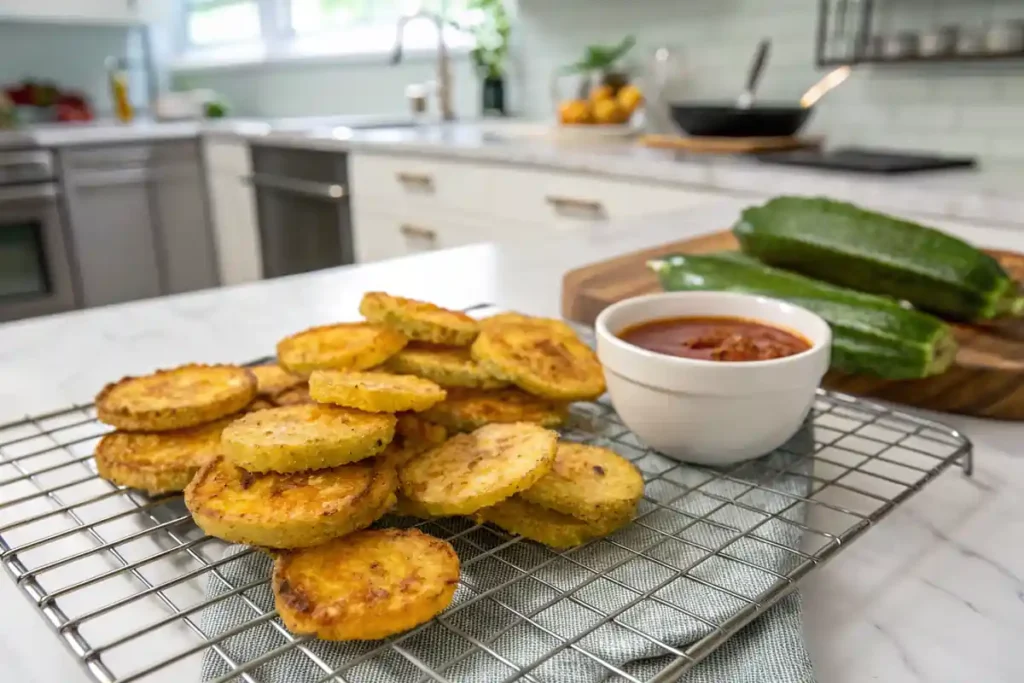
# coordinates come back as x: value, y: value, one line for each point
x: 35, y: 267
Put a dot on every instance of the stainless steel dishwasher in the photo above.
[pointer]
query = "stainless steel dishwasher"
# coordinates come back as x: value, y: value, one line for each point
x: 302, y: 204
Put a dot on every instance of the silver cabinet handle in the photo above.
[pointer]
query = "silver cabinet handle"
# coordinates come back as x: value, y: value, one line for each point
x: 419, y: 181
x: 577, y: 206
x: 306, y: 188
x: 28, y: 192
x: 415, y: 231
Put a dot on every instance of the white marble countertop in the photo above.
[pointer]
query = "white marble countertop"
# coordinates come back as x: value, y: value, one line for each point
x: 935, y: 592
x: 989, y: 194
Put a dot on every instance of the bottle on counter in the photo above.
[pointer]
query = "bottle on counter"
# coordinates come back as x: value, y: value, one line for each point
x: 117, y: 73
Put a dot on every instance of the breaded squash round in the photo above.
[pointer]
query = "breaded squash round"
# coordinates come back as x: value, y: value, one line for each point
x: 295, y: 396
x: 259, y: 403
x: 590, y: 483
x: 550, y: 365
x: 305, y: 437
x: 420, y: 320
x: 374, y: 392
x: 467, y: 409
x: 446, y: 366
x: 553, y: 325
x: 181, y: 397
x: 413, y: 436
x: 158, y: 462
x: 366, y: 586
x: 472, y: 471
x: 404, y: 507
x: 294, y: 510
x: 344, y: 346
x: 540, y: 524
x: 272, y: 379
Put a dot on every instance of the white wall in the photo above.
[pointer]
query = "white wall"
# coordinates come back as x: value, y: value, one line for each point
x: 324, y: 88
x: 968, y: 108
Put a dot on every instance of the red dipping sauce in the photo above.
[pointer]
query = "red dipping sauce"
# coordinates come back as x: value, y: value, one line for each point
x: 715, y: 338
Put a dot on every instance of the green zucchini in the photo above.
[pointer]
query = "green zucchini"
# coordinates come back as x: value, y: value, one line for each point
x: 871, y: 252
x: 871, y: 335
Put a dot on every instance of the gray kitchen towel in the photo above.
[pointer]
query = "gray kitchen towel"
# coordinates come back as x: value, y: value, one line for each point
x: 658, y: 577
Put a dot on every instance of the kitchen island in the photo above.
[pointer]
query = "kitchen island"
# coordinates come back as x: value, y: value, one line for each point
x: 934, y: 593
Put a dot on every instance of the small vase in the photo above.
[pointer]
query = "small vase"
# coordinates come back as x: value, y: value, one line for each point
x: 494, y: 96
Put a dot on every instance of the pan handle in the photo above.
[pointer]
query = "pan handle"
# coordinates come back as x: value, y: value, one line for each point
x: 764, y: 48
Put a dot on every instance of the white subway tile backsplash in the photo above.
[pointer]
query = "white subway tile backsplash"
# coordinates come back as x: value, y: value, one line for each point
x: 952, y: 108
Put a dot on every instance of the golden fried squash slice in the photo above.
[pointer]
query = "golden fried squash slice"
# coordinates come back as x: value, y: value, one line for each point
x: 420, y: 320
x: 472, y: 471
x: 305, y: 437
x: 344, y: 346
x: 554, y: 529
x: 182, y: 397
x: 374, y: 392
x: 467, y: 409
x: 259, y: 403
x: 366, y: 586
x: 295, y: 510
x: 556, y: 327
x: 447, y: 366
x: 158, y: 462
x: 413, y: 436
x: 588, y: 482
x: 295, y: 396
x: 272, y: 379
x: 543, y: 363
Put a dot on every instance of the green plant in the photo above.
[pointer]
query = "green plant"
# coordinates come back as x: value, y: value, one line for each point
x: 601, y: 57
x: 491, y: 27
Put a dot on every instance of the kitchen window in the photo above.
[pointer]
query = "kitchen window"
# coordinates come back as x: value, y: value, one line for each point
x: 222, y: 32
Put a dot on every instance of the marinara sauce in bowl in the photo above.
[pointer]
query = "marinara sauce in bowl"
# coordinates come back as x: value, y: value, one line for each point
x: 712, y: 377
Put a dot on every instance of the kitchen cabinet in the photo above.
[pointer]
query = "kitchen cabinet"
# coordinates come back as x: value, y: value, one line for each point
x: 78, y: 11
x: 138, y: 221
x: 114, y: 236
x: 465, y: 202
x: 233, y: 209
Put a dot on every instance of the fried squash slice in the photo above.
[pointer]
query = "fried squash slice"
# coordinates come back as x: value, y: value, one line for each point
x: 366, y: 586
x: 420, y: 320
x: 464, y: 410
x: 181, y: 397
x: 552, y: 325
x: 374, y: 392
x: 295, y: 510
x: 305, y: 437
x: 272, y: 379
x: 554, y: 529
x: 344, y: 346
x: 413, y: 436
x: 590, y: 483
x: 472, y: 471
x: 446, y: 366
x: 158, y: 462
x: 552, y: 366
x: 295, y: 396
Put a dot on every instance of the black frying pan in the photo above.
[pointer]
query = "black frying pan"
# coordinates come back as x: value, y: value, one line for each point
x: 742, y: 119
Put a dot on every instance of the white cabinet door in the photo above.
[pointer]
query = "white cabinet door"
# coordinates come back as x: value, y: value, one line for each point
x: 380, y: 234
x: 233, y: 207
x: 73, y: 11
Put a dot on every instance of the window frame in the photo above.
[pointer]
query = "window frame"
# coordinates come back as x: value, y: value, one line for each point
x: 279, y: 43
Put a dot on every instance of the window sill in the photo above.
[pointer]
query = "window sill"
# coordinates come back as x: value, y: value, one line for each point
x: 257, y: 57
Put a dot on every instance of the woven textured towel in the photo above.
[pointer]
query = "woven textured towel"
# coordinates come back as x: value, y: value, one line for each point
x: 510, y: 611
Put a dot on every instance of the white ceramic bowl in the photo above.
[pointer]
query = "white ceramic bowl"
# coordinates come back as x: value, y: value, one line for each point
x: 711, y: 412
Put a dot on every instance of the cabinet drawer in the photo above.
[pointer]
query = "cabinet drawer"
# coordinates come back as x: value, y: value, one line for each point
x: 382, y: 235
x: 414, y: 183
x: 129, y: 156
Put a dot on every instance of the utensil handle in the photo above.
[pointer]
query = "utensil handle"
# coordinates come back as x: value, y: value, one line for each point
x: 764, y: 48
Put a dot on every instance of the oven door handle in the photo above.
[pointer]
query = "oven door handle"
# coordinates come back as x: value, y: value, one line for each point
x: 28, y: 192
x: 307, y: 188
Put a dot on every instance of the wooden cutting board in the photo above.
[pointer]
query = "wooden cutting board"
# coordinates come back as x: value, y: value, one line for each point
x: 986, y: 380
x: 715, y: 145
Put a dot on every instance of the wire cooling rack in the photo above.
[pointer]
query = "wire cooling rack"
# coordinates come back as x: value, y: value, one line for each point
x: 125, y: 579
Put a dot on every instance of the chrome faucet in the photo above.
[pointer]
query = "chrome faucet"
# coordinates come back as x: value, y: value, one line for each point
x: 444, y: 63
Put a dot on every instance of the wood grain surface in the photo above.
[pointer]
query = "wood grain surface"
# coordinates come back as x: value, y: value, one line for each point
x: 986, y: 380
x: 714, y: 145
